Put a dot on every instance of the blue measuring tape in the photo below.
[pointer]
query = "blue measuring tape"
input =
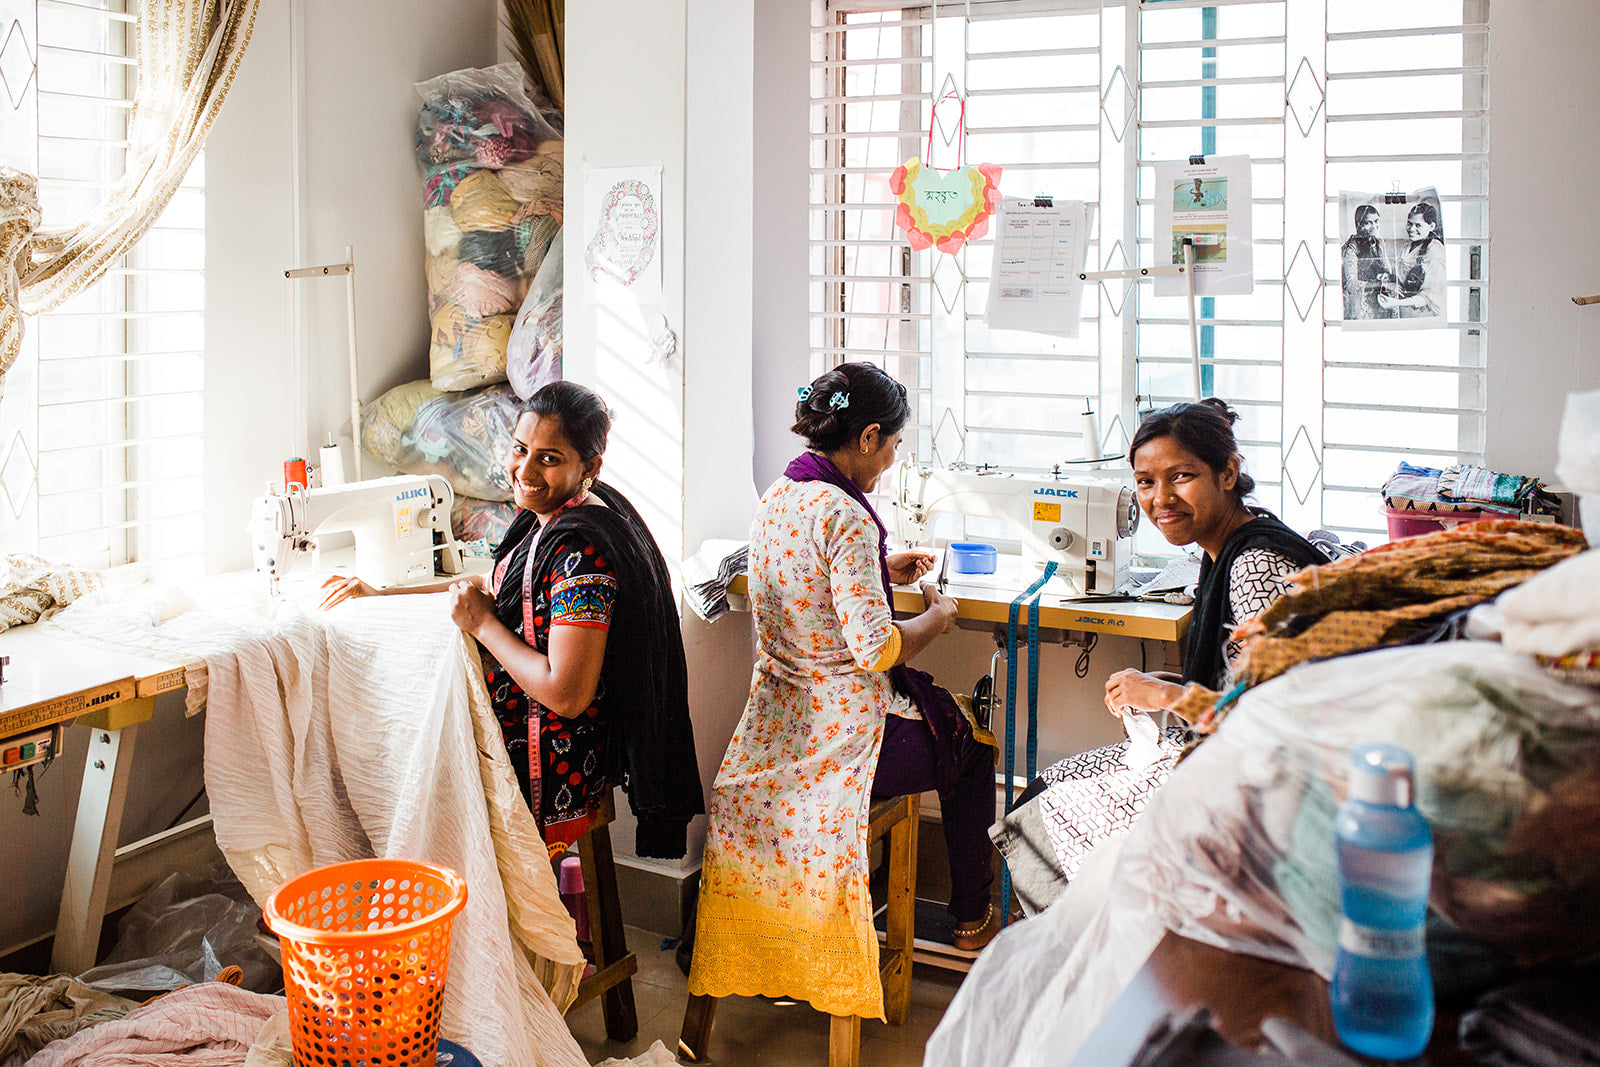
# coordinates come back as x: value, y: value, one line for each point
x: 1035, y: 591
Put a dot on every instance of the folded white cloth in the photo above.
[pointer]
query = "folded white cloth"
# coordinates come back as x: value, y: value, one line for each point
x: 1556, y: 612
x: 707, y: 573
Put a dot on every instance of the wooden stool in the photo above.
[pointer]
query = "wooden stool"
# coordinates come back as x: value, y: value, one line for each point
x: 898, y: 818
x: 614, y: 965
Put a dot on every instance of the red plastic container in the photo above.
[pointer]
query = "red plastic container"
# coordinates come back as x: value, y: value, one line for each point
x: 1406, y: 523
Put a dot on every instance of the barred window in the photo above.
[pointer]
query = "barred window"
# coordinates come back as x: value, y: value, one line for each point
x: 100, y: 422
x: 1079, y: 100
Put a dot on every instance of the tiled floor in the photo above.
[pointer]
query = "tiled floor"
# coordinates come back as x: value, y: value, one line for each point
x: 754, y: 1032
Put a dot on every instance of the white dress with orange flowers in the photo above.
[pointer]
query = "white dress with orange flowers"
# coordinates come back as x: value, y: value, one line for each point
x: 784, y: 906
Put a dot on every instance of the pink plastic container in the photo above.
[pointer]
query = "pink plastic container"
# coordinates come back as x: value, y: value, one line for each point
x: 1404, y: 523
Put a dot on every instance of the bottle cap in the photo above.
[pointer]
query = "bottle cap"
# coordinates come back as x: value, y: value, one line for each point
x: 1381, y: 774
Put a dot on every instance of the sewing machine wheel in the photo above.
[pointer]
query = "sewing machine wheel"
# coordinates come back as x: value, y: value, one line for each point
x: 983, y: 701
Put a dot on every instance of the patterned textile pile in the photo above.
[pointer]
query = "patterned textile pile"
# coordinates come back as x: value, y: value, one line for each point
x: 32, y: 589
x: 1463, y: 487
x: 1388, y: 596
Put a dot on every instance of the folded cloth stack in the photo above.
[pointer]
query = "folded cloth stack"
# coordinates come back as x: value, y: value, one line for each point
x: 706, y: 575
x: 1389, y: 595
x: 1462, y: 487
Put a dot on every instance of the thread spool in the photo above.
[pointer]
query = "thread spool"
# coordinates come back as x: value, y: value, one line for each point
x: 1091, y: 433
x: 330, y: 461
x: 294, y: 473
x: 569, y: 883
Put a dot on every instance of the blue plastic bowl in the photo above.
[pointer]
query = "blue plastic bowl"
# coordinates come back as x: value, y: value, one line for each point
x: 969, y: 558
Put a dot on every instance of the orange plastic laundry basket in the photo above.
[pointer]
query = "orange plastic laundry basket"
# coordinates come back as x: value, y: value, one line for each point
x: 366, y: 948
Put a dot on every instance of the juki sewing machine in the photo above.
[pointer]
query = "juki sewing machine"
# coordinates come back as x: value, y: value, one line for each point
x: 394, y: 521
x: 1084, y: 523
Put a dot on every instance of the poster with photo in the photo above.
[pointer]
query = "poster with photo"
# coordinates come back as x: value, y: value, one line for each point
x: 1209, y: 203
x: 1391, y: 261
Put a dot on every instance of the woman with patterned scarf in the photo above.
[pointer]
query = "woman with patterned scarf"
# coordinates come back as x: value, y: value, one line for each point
x: 583, y: 655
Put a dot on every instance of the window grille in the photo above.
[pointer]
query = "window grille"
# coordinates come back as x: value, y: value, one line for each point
x: 1079, y: 99
x: 100, y: 423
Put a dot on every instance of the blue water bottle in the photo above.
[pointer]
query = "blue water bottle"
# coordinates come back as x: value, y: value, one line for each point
x: 1382, y: 994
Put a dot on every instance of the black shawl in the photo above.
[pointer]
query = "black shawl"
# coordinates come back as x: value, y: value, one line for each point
x: 644, y: 679
x: 1203, y: 660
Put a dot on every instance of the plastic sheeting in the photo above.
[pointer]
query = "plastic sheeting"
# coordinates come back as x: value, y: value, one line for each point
x: 1237, y: 849
x: 187, y: 928
x: 533, y: 355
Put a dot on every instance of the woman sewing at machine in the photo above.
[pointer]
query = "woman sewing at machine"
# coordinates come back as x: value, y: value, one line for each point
x: 1186, y: 471
x: 583, y: 656
x: 834, y: 717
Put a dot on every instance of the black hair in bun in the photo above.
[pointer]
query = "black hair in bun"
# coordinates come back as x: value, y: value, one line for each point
x: 834, y: 409
x: 1205, y: 429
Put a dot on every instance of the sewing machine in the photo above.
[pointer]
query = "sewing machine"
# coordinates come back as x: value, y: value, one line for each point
x: 1083, y: 522
x: 393, y: 519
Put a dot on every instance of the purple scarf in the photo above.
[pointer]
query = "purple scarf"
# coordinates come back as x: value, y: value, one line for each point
x: 952, y: 734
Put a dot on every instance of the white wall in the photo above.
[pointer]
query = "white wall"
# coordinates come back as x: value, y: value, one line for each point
x: 1544, y: 156
x: 363, y: 188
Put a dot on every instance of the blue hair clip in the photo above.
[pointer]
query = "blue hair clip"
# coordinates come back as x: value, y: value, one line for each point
x: 804, y: 392
x: 839, y: 401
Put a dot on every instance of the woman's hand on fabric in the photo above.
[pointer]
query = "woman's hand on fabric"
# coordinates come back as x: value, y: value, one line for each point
x: 470, y: 607
x: 942, y: 608
x: 1136, y: 689
x: 906, y: 567
x: 341, y: 588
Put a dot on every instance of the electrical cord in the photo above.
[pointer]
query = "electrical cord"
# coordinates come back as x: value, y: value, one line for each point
x: 1081, y: 668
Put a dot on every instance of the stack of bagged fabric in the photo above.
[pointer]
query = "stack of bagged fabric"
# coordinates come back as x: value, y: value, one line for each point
x: 707, y: 573
x: 492, y: 178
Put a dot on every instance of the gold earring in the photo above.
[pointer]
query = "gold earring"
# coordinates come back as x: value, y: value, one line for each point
x: 587, y: 482
x: 865, y: 450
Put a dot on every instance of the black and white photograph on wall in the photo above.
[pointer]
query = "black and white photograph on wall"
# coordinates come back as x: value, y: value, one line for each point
x: 1391, y: 263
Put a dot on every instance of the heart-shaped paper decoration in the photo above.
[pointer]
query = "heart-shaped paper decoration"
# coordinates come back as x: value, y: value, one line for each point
x: 945, y: 209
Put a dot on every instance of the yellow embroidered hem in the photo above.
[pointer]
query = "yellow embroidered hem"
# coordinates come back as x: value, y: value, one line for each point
x: 743, y: 948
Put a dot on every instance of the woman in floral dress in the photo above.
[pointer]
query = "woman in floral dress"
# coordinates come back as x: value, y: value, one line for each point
x: 833, y: 720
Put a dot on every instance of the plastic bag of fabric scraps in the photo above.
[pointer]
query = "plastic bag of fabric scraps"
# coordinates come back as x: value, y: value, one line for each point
x: 481, y: 520
x: 533, y: 356
x: 491, y: 165
x: 1238, y: 847
x: 465, y: 437
x: 184, y: 931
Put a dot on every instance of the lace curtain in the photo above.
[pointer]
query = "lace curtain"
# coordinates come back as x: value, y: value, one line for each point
x: 188, y: 52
